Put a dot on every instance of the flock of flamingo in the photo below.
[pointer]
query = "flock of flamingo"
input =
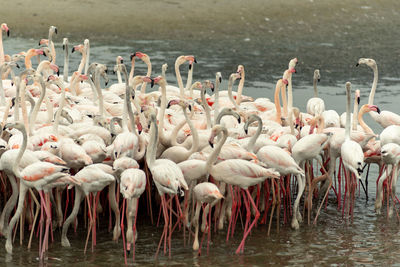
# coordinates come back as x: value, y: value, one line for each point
x: 64, y: 139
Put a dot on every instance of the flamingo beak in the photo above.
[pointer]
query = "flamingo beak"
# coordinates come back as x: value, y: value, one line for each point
x: 8, y: 33
x: 246, y: 131
x: 73, y: 50
x: 16, y: 65
x: 357, y: 64
x: 220, y: 79
x: 211, y: 144
x: 378, y: 110
x: 358, y: 100
x: 55, y: 30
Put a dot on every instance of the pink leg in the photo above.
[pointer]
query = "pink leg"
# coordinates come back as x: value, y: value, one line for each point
x: 123, y: 228
x: 241, y: 246
x: 165, y: 231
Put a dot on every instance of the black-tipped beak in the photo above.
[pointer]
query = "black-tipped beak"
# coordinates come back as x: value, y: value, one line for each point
x: 358, y: 100
x: 190, y: 107
x: 139, y: 131
x: 8, y: 33
x: 357, y: 65
x: 112, y: 135
x: 195, y: 61
x: 55, y: 30
x: 106, y: 83
x: 220, y: 79
x: 12, y: 101
x: 152, y: 83
x: 190, y: 66
x: 239, y: 120
x: 16, y: 65
x: 378, y: 110
x: 58, y: 73
x: 39, y: 43
x: 141, y: 109
x: 169, y: 104
x: 319, y: 80
x: 211, y: 144
x: 63, y: 47
x: 132, y: 56
x: 246, y: 131
x: 122, y: 61
x: 73, y: 50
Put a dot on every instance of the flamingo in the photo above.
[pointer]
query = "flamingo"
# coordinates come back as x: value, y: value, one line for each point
x: 204, y: 193
x: 241, y: 173
x: 132, y: 185
x: 37, y: 175
x: 167, y: 177
x: 385, y: 118
x: 351, y: 151
x: 391, y: 156
x: 315, y: 105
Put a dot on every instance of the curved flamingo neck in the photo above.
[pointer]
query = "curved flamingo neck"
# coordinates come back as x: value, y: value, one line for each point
x: 179, y: 79
x: 278, y: 88
x: 230, y: 85
x: 254, y: 138
x: 290, y: 104
x: 206, y: 107
x: 38, y: 103
x: 28, y: 56
x: 132, y: 70
x: 284, y: 100
x: 195, y: 143
x: 66, y: 60
x: 348, y: 99
x: 240, y: 89
x: 374, y: 85
x: 161, y: 116
x: 60, y: 107
x: 365, y: 127
x: 175, y: 131
x: 152, y: 148
x: 21, y: 150
x: 355, y: 115
x: 83, y: 61
x: 190, y: 77
x: 148, y: 74
x: 216, y: 100
x: 213, y: 157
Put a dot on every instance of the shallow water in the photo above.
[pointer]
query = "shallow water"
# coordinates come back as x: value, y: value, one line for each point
x: 369, y: 240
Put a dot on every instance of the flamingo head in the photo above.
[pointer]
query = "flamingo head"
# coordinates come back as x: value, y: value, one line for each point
x: 240, y: 70
x: 367, y: 61
x: 44, y: 42
x: 5, y: 28
x: 374, y: 108
x: 292, y: 70
x: 78, y: 48
x: 159, y: 80
x: 357, y: 94
x: 141, y: 55
x: 55, y: 68
x: 207, y: 84
x: 120, y: 60
x: 147, y: 79
x: 292, y: 63
x: 218, y: 77
x: 38, y: 52
x: 317, y: 75
x: 83, y: 77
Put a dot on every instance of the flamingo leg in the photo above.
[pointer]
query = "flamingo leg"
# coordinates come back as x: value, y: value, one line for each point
x: 257, y: 215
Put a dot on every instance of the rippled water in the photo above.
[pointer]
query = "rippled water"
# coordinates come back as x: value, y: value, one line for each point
x: 369, y: 240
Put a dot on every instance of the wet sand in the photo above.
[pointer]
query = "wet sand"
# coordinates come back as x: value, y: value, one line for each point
x: 197, y: 20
